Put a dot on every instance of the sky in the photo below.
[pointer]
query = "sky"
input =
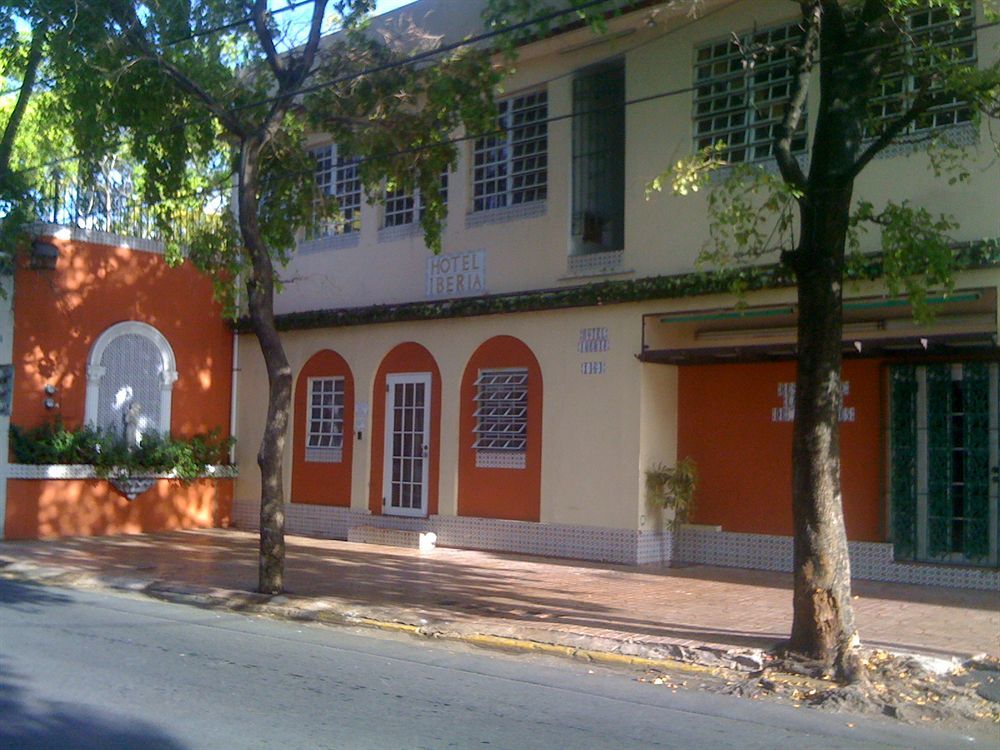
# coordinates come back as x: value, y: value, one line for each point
x: 384, y: 6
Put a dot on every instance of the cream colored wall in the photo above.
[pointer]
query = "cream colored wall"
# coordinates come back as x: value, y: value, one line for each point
x: 590, y: 423
x: 600, y: 432
x: 657, y: 432
x: 664, y: 234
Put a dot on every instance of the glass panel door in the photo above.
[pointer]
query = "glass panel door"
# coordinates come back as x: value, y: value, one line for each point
x: 407, y: 441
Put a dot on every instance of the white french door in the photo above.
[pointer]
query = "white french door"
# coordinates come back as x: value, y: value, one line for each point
x: 407, y: 444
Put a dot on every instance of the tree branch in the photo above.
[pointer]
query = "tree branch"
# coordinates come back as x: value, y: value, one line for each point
x: 291, y: 77
x: 921, y: 104
x: 135, y: 32
x: 274, y: 60
x: 788, y: 165
x: 27, y: 87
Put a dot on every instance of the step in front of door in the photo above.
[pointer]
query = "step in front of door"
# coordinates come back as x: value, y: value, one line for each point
x: 425, y: 541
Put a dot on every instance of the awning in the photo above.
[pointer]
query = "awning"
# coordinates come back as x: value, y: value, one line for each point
x: 964, y: 322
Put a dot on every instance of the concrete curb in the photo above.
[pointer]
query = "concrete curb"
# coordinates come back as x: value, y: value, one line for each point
x: 662, y: 654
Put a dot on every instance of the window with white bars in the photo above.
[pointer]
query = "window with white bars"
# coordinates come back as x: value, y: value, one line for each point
x: 511, y: 167
x: 742, y: 105
x: 932, y: 36
x: 501, y: 410
x: 337, y: 177
x: 402, y: 207
x: 325, y: 436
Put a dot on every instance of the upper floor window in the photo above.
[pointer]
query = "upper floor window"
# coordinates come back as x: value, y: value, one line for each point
x: 402, y: 207
x: 338, y: 177
x: 502, y: 410
x: 511, y: 168
x: 599, y: 160
x: 930, y: 32
x: 130, y: 378
x: 740, y: 105
x: 325, y: 435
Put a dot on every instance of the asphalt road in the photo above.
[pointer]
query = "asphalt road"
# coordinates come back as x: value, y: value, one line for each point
x: 83, y: 670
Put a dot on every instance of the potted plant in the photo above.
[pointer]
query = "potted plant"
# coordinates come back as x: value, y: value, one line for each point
x: 673, y: 488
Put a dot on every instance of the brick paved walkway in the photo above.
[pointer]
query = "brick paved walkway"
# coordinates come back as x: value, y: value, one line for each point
x: 688, y: 605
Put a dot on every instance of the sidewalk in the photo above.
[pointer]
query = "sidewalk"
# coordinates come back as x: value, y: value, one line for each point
x: 698, y: 613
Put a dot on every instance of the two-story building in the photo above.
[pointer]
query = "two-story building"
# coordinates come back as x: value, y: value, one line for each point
x: 511, y: 393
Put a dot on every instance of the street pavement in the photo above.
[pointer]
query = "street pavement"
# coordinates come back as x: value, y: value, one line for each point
x: 87, y: 670
x: 702, y: 614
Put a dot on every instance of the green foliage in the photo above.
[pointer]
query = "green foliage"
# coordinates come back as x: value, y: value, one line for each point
x: 111, y: 456
x: 673, y: 487
x: 917, y: 254
x: 524, y: 21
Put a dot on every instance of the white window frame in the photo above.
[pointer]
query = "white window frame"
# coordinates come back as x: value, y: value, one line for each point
x: 425, y: 381
x: 96, y: 371
x: 725, y: 88
x: 334, y: 452
x: 510, y: 168
x: 898, y: 88
x: 412, y: 205
x: 501, y: 418
x: 334, y: 174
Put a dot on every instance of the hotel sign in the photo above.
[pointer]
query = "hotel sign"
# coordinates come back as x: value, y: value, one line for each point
x: 456, y: 274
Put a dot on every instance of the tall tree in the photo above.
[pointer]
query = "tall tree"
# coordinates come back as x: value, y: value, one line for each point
x: 230, y: 86
x: 854, y: 45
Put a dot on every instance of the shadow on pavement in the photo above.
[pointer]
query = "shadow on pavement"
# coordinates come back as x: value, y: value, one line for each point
x: 24, y: 595
x: 30, y: 724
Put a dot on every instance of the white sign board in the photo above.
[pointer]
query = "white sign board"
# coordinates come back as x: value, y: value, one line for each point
x: 786, y: 412
x: 456, y: 274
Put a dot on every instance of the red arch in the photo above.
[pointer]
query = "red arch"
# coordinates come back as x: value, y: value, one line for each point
x: 513, y: 494
x: 322, y: 483
x: 406, y: 357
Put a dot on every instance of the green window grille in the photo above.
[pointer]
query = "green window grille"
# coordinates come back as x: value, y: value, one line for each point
x: 903, y: 460
x: 941, y: 475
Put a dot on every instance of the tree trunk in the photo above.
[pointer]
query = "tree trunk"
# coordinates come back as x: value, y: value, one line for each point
x: 823, y: 619
x: 260, y: 303
x: 20, y: 107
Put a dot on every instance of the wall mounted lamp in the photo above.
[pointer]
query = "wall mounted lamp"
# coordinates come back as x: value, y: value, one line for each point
x: 43, y: 255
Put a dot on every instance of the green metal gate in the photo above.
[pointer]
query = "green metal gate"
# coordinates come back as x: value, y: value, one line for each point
x: 943, y: 458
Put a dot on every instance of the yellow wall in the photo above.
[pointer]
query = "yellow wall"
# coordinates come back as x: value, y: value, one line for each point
x: 662, y: 235
x: 591, y: 423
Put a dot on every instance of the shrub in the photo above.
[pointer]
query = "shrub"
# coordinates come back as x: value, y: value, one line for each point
x: 110, y: 455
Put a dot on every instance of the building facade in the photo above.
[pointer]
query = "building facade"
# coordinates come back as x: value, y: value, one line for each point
x: 96, y: 325
x: 512, y: 392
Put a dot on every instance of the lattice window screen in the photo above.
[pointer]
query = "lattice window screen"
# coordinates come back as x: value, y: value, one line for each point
x: 133, y: 374
x: 501, y: 410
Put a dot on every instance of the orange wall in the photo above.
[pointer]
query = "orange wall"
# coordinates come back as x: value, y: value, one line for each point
x: 314, y: 482
x: 744, y: 458
x: 408, y: 357
x: 514, y: 494
x: 74, y: 507
x: 59, y: 313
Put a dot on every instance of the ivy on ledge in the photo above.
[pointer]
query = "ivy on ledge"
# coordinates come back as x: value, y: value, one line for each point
x: 968, y: 256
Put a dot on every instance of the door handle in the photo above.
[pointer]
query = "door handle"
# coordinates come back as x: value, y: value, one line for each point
x: 424, y: 450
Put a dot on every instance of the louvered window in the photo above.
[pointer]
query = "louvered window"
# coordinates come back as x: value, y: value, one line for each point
x: 501, y: 410
x: 324, y: 438
x: 742, y: 105
x: 511, y: 168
